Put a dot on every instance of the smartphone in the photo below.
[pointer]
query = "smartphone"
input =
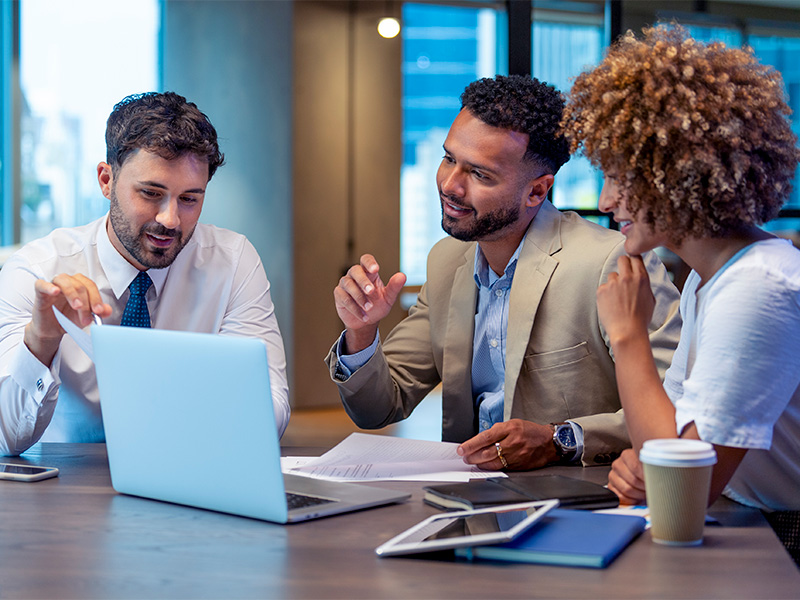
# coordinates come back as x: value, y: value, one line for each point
x: 26, y: 472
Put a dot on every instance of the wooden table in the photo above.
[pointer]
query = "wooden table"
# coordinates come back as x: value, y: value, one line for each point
x: 74, y: 537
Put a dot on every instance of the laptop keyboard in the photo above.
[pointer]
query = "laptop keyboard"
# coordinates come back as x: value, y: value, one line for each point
x: 296, y: 501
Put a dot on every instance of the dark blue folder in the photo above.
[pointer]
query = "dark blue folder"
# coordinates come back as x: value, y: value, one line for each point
x: 566, y: 537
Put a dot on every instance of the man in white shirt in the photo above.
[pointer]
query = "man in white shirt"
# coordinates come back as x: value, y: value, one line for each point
x: 161, y: 154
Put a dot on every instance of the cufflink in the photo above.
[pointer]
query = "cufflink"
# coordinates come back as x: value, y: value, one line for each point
x: 39, y: 385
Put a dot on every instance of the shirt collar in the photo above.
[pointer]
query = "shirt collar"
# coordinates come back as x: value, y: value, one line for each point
x: 486, y: 277
x: 118, y: 270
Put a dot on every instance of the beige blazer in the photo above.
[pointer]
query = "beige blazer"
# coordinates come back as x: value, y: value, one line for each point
x: 558, y: 362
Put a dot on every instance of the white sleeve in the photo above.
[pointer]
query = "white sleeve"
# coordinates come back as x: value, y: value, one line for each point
x: 251, y: 313
x: 747, y: 363
x: 28, y: 389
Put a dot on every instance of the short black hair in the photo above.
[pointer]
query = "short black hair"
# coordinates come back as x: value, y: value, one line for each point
x: 162, y: 123
x: 525, y: 105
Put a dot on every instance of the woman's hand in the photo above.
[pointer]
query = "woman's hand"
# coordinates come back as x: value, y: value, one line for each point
x: 625, y: 303
x: 626, y: 478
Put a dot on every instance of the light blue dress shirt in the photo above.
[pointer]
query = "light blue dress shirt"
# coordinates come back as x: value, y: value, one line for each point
x: 488, y: 344
x: 489, y: 341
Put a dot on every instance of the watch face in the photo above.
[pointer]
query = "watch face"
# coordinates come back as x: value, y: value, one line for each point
x: 566, y: 437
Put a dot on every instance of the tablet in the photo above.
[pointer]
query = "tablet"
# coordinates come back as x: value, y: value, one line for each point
x: 483, y: 526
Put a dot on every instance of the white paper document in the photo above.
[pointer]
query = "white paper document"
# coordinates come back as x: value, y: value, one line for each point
x: 81, y: 338
x: 365, y: 457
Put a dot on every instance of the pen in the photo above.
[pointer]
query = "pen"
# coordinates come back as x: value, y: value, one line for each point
x: 97, y: 320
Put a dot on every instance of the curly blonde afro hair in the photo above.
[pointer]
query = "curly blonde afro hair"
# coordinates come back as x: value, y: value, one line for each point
x: 697, y: 136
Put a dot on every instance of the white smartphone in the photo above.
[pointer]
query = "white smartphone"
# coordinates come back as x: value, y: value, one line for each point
x: 26, y: 472
x: 467, y: 528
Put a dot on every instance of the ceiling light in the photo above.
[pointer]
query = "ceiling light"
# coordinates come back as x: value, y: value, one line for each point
x: 388, y: 27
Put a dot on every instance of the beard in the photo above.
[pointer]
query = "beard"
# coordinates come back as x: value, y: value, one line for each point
x: 133, y: 241
x: 475, y: 229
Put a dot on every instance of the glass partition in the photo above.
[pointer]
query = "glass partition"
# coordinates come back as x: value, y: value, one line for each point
x: 77, y: 59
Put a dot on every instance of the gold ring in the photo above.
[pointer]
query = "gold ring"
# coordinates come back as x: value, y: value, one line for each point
x: 500, y: 454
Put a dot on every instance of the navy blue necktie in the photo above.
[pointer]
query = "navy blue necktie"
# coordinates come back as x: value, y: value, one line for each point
x: 136, y: 313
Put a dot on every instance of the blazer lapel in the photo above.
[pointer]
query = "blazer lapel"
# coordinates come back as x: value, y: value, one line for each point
x: 457, y: 359
x: 535, y: 267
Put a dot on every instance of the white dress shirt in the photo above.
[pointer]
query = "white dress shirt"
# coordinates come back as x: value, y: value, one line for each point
x: 216, y: 284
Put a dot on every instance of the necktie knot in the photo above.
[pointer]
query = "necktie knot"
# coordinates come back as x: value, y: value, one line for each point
x: 140, y: 284
x: 136, y: 313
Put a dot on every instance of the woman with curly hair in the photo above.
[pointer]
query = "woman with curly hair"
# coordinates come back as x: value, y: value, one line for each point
x: 697, y: 152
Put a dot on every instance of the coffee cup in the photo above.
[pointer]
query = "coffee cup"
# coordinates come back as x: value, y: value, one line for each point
x: 677, y: 478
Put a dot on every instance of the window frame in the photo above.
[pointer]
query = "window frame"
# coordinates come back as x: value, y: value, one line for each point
x: 13, y: 107
x: 10, y: 179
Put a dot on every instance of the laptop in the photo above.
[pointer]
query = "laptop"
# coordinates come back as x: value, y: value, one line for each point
x: 188, y: 419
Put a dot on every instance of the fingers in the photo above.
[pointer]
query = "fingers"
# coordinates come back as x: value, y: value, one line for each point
x: 626, y: 478
x: 394, y: 286
x: 346, y: 305
x: 361, y: 281
x: 523, y: 445
x: 623, y: 498
x: 631, y: 267
x: 369, y: 264
x: 366, y: 274
x: 624, y: 265
x: 82, y: 296
x: 625, y: 302
x: 43, y: 322
x: 358, y: 283
x: 483, y: 451
x: 74, y: 295
x: 490, y: 458
x: 361, y: 296
x: 350, y: 296
x: 638, y: 266
x: 478, y: 443
x: 46, y: 289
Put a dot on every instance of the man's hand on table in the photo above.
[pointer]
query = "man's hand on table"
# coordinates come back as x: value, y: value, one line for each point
x: 523, y: 445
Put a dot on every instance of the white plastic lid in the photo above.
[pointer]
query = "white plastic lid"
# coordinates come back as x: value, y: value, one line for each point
x: 677, y: 452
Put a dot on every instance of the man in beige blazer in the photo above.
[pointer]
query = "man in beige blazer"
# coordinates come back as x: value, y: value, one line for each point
x: 509, y: 302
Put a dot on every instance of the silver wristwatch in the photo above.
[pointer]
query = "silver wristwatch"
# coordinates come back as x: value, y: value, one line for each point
x: 564, y: 441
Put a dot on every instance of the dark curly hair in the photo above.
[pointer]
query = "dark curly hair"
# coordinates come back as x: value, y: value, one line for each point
x: 165, y: 124
x: 696, y: 135
x: 525, y: 105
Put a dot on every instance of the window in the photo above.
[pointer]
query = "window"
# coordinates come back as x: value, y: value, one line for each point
x: 76, y: 60
x: 561, y: 52
x: 7, y: 52
x: 783, y: 53
x: 444, y: 49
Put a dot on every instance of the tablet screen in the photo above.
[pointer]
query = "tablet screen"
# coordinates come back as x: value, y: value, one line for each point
x: 467, y: 528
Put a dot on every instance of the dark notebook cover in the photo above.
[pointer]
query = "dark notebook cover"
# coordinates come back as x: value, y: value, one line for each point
x: 568, y: 538
x: 479, y: 493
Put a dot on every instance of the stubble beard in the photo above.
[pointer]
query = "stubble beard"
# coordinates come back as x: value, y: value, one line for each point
x: 132, y: 241
x: 480, y: 228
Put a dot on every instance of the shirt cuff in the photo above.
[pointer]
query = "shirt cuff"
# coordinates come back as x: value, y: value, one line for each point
x: 32, y: 376
x: 577, y: 430
x: 347, y: 364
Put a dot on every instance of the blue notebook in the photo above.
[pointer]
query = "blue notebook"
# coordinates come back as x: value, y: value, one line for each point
x: 574, y: 538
